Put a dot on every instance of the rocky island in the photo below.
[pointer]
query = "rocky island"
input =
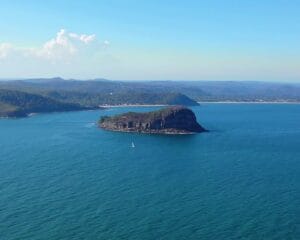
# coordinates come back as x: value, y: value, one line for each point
x: 171, y: 120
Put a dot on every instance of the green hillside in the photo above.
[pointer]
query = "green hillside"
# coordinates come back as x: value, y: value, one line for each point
x: 20, y: 104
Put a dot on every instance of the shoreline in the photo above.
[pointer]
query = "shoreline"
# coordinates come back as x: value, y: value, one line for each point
x: 245, y: 102
x: 133, y: 105
x: 148, y: 132
x: 201, y: 102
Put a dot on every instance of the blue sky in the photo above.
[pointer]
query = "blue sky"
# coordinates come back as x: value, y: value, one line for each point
x: 151, y: 40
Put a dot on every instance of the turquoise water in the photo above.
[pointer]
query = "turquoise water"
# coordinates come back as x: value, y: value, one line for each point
x: 63, y: 178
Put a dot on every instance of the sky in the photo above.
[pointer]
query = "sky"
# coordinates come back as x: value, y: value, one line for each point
x: 151, y: 40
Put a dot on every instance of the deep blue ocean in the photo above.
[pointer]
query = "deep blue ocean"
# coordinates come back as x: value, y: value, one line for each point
x: 62, y: 178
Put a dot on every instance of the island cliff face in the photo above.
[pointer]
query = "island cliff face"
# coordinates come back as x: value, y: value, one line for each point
x: 171, y: 120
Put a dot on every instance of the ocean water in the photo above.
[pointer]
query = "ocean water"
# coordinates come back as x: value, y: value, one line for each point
x: 63, y: 178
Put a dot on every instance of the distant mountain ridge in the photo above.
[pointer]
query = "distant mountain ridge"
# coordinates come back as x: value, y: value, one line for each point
x: 196, y: 90
x: 18, y: 98
x: 57, y: 94
x: 98, y: 92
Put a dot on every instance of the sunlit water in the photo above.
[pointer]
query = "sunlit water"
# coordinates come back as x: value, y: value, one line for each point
x: 63, y: 178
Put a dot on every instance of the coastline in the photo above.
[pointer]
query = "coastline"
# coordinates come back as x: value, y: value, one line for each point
x: 247, y: 102
x: 168, y: 132
x: 133, y: 105
x: 200, y: 102
x: 105, y: 107
x: 32, y: 114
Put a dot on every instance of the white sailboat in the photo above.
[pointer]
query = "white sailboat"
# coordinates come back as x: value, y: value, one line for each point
x: 132, y: 144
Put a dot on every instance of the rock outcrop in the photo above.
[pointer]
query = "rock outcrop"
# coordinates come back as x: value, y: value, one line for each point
x: 171, y: 120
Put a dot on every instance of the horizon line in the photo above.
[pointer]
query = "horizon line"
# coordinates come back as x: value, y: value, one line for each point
x: 144, y: 80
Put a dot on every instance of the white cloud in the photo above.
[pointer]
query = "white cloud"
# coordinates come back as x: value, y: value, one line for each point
x: 83, y: 37
x: 5, y: 49
x: 106, y: 43
x: 62, y: 47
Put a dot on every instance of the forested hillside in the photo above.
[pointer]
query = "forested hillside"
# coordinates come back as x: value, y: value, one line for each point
x: 101, y: 91
x: 20, y: 104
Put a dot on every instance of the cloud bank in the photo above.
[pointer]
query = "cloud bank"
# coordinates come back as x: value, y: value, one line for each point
x: 66, y: 54
x: 63, y: 46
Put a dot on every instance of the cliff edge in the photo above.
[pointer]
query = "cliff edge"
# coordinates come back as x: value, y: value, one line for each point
x: 171, y: 120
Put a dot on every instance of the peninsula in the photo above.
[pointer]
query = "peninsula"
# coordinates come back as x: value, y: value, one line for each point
x: 21, y: 104
x: 170, y: 120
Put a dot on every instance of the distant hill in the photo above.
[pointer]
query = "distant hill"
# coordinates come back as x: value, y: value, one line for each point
x: 129, y: 97
x: 20, y: 104
x: 243, y: 91
x: 101, y: 91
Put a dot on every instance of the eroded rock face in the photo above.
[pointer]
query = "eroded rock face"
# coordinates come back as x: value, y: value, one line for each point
x: 172, y: 120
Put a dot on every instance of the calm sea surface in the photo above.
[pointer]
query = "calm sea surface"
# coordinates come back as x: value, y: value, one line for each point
x: 62, y: 178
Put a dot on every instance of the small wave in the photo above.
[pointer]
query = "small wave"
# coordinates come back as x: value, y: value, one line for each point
x: 90, y: 125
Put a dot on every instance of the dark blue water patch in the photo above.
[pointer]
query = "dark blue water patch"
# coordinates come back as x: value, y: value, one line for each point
x: 64, y: 178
